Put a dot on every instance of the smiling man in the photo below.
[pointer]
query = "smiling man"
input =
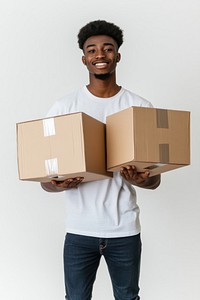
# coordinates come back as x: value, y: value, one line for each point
x: 102, y: 216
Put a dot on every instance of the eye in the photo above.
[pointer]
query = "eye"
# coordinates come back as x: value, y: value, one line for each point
x: 91, y: 51
x: 108, y: 49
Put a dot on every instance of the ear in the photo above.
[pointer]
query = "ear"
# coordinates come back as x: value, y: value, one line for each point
x: 84, y: 60
x: 118, y: 57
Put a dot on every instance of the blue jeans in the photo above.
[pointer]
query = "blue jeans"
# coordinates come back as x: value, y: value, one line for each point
x: 82, y: 256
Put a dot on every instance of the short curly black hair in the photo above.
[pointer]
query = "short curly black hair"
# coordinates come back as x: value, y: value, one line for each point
x: 100, y: 27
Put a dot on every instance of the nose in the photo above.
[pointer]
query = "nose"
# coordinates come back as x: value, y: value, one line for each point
x: 100, y: 54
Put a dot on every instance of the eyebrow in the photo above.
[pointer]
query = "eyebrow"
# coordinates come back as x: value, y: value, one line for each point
x: 105, y: 44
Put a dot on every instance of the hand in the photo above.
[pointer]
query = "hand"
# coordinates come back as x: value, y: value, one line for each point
x: 68, y: 183
x: 130, y: 174
x: 140, y: 179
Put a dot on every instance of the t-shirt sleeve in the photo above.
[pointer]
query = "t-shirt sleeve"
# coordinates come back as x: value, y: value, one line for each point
x: 55, y: 110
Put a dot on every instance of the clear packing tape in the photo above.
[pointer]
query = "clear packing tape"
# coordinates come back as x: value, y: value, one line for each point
x: 51, y: 165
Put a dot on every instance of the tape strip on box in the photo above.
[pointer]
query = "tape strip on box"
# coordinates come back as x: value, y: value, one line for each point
x: 164, y: 153
x: 162, y: 118
x: 49, y: 127
x: 51, y: 166
x: 163, y: 122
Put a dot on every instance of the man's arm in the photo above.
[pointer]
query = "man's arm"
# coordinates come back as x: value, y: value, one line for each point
x: 60, y: 186
x: 140, y: 179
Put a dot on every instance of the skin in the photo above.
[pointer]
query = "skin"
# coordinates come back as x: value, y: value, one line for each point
x: 97, y: 50
x: 101, y: 56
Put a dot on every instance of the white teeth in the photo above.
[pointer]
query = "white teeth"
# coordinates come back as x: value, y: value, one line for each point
x: 100, y: 64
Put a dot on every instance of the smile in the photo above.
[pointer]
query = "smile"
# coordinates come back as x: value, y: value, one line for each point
x: 101, y: 65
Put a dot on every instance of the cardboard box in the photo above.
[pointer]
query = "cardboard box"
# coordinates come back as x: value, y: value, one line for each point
x: 152, y: 139
x: 62, y: 147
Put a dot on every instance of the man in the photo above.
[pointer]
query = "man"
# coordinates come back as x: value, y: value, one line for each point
x: 103, y: 217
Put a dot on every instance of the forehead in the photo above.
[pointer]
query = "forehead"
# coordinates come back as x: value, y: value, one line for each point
x: 97, y: 40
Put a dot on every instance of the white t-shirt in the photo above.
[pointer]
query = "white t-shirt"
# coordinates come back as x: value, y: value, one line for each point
x: 105, y: 208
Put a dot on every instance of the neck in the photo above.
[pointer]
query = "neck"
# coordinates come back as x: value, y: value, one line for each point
x: 103, y: 88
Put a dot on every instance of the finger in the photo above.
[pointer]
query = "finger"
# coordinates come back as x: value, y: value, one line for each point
x: 129, y: 172
x: 124, y: 173
x: 76, y: 182
x: 144, y: 175
x: 68, y: 183
x: 64, y: 183
x: 132, y: 171
x: 53, y: 182
x: 73, y: 183
x: 58, y: 183
x: 80, y: 179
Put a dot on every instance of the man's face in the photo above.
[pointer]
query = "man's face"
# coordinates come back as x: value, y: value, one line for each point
x: 100, y: 54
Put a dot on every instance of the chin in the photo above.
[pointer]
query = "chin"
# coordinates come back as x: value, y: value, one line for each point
x: 102, y: 76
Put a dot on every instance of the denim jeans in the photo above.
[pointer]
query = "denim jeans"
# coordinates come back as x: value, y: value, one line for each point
x: 82, y: 256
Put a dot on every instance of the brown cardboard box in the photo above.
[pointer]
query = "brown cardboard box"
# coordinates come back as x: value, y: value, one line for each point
x: 152, y: 139
x: 61, y: 147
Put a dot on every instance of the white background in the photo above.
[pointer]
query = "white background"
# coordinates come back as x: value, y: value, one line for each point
x: 39, y: 63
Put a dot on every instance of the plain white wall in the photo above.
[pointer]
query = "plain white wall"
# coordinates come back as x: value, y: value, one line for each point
x: 40, y: 62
